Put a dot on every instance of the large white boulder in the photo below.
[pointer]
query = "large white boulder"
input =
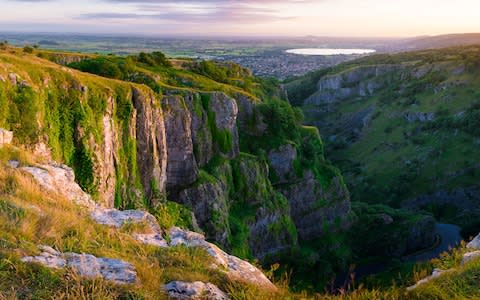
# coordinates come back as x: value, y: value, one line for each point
x: 86, y: 265
x: 470, y: 256
x: 235, y: 268
x: 475, y: 243
x: 194, y: 290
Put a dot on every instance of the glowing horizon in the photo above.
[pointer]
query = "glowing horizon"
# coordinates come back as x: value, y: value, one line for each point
x: 347, y: 18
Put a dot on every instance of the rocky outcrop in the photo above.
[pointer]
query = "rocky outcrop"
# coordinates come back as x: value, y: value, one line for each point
x: 467, y: 257
x: 105, y: 157
x: 236, y: 268
x: 315, y: 208
x: 66, y: 58
x: 281, y: 161
x: 194, y: 290
x: 271, y: 232
x: 86, y: 265
x: 59, y: 179
x: 435, y: 274
x: 6, y: 137
x: 118, y: 218
x: 209, y: 202
x: 148, y: 130
x: 225, y: 110
x: 201, y: 133
x: 248, y: 119
x: 357, y: 82
x: 182, y: 167
x: 270, y: 228
x: 475, y: 243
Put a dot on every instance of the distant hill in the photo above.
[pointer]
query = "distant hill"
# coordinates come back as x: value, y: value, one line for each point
x: 440, y: 41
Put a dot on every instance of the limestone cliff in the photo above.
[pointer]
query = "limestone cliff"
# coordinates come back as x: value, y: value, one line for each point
x: 132, y: 147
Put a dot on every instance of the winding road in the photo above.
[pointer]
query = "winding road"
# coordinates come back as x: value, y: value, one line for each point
x: 449, y: 237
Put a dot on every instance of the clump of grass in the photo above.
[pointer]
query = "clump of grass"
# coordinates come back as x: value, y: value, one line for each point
x: 452, y: 258
x: 461, y: 283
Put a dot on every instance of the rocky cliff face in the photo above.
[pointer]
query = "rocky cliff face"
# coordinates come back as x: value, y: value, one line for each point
x: 360, y: 81
x: 315, y: 208
x: 131, y: 147
x: 413, y: 112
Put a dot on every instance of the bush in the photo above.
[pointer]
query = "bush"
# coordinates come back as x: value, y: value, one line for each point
x: 154, y: 59
x: 99, y: 66
x: 28, y: 49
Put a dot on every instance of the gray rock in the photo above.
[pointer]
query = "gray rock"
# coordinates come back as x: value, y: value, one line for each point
x: 247, y: 116
x: 207, y: 200
x: 226, y: 112
x: 356, y: 82
x: 86, y: 265
x: 153, y: 239
x: 435, y: 274
x: 60, y: 179
x: 13, y: 164
x: 148, y: 129
x: 264, y: 241
x: 475, y: 243
x: 104, y: 167
x: 467, y: 257
x: 118, y: 218
x: 281, y: 161
x: 313, y: 207
x: 182, y: 169
x: 201, y: 134
x: 272, y: 210
x: 6, y: 137
x: 49, y: 257
x: 194, y: 290
x: 110, y: 269
x: 234, y: 267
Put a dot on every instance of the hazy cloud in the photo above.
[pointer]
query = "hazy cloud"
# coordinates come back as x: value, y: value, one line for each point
x: 195, y: 11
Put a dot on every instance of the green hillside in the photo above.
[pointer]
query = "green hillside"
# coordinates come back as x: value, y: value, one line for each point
x: 403, y: 128
x: 145, y: 171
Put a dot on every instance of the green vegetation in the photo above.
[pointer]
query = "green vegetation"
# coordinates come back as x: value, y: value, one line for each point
x: 28, y: 49
x: 66, y: 109
x: 415, y: 134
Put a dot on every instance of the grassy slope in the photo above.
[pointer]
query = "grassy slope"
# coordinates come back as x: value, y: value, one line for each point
x: 68, y: 228
x: 419, y: 159
x: 29, y: 217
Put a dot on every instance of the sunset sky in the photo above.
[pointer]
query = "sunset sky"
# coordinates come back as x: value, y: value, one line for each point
x: 233, y: 17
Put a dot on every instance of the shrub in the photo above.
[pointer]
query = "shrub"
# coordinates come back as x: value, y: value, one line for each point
x: 99, y: 66
x: 28, y: 49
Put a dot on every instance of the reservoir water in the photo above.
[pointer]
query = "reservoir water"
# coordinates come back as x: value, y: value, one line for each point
x: 328, y: 51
